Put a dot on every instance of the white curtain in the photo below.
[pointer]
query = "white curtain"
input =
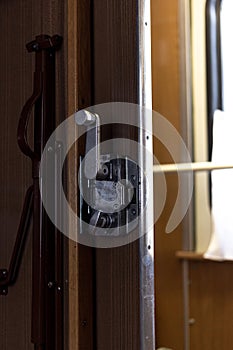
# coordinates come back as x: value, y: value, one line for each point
x: 221, y: 243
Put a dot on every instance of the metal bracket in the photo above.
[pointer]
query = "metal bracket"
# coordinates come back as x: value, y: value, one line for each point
x: 8, y: 277
x: 111, y: 200
x: 3, y: 278
x: 43, y: 42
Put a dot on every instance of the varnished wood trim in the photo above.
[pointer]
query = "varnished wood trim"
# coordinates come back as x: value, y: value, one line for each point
x: 189, y: 255
x: 81, y: 327
x: 166, y: 100
x: 72, y: 105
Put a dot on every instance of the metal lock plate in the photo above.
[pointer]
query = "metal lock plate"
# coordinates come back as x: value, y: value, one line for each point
x: 111, y: 199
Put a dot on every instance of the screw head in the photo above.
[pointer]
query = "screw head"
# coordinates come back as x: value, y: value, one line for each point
x: 84, y: 323
x: 50, y: 284
x: 3, y: 274
x: 133, y: 211
x: 3, y: 291
x: 35, y: 46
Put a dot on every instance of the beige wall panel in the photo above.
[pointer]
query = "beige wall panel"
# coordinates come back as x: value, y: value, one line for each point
x: 166, y: 101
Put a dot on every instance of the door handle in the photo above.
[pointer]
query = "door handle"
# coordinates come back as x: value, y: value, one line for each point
x: 110, y: 185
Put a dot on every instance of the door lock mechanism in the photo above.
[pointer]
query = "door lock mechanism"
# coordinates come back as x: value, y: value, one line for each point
x: 110, y: 186
x: 111, y: 200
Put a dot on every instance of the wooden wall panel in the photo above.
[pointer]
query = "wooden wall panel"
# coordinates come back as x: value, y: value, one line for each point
x: 72, y: 67
x: 80, y: 269
x: 20, y: 22
x: 166, y: 100
x: 116, y: 79
x: 210, y: 285
x: 103, y: 67
x: 211, y: 305
x: 16, y: 85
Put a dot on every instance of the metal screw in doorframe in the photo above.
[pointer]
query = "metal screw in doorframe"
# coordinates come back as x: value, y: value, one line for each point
x: 35, y: 47
x: 58, y: 145
x: 3, y: 274
x: 133, y: 211
x: 50, y: 149
x: 84, y: 323
x: 192, y: 321
x: 4, y: 291
x: 50, y: 284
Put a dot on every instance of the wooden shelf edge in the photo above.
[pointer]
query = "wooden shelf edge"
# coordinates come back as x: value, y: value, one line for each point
x: 191, y: 255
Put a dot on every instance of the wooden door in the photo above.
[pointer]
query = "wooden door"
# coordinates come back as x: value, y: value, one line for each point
x: 105, y: 282
x: 98, y: 62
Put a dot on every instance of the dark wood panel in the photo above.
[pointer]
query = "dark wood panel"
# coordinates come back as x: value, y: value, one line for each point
x: 116, y: 79
x: 115, y: 51
x: 16, y: 85
x: 20, y: 22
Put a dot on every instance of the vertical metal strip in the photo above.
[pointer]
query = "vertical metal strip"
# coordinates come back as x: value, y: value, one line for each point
x: 59, y: 292
x: 146, y: 260
x: 186, y: 109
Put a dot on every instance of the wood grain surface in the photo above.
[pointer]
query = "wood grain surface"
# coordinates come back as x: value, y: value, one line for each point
x: 211, y: 305
x: 116, y: 67
x: 166, y: 100
x: 20, y: 22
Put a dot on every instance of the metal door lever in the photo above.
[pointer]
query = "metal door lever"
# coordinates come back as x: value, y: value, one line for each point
x: 92, y: 123
x: 110, y: 184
